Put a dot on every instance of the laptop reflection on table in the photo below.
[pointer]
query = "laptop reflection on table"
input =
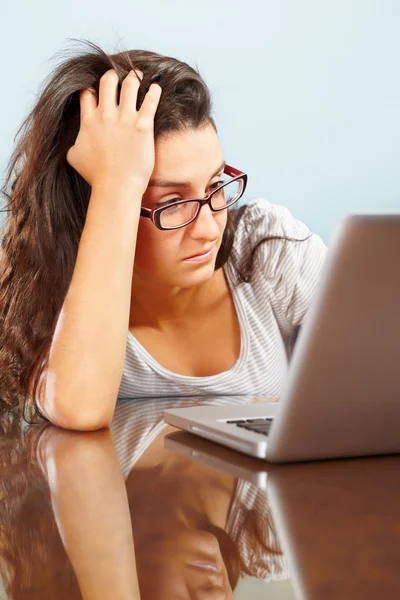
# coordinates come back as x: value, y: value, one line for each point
x: 338, y: 521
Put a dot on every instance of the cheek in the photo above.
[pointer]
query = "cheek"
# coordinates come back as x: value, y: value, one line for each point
x: 160, y: 572
x: 159, y: 584
x: 222, y: 220
x: 154, y: 247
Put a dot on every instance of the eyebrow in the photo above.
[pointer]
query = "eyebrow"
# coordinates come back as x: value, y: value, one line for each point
x: 181, y: 184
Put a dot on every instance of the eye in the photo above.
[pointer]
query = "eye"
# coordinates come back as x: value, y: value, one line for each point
x: 167, y: 202
x: 175, y: 208
x: 216, y: 184
x: 211, y: 187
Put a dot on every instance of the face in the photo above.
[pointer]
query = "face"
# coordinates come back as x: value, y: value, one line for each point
x: 191, y: 157
x: 183, y: 566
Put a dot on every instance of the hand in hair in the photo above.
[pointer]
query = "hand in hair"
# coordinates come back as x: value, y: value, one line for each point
x: 115, y: 141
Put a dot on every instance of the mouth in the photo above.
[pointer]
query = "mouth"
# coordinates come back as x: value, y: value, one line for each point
x: 205, y: 565
x: 203, y: 256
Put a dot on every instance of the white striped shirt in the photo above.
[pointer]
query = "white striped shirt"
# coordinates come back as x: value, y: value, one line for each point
x: 269, y: 306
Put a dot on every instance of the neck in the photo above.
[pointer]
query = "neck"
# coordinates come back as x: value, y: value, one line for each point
x: 185, y: 503
x: 158, y: 305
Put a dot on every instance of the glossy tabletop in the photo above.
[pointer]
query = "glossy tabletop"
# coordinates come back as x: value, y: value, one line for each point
x: 145, y: 511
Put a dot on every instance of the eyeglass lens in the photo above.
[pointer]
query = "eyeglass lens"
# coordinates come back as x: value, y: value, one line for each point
x: 180, y: 214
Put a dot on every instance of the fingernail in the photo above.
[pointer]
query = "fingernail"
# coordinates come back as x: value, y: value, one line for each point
x: 136, y: 73
x: 155, y: 79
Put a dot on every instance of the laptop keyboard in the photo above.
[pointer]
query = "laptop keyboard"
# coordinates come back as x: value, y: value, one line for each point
x: 257, y: 425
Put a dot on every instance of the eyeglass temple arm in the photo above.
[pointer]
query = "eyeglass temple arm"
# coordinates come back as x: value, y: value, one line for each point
x: 232, y: 171
x: 145, y: 212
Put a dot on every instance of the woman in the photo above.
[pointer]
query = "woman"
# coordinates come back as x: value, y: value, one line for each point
x: 104, y: 296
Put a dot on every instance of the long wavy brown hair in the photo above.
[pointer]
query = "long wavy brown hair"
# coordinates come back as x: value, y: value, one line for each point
x: 33, y: 560
x: 47, y: 202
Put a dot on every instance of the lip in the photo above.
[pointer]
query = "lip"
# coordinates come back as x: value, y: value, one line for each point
x: 202, y: 257
x: 205, y: 565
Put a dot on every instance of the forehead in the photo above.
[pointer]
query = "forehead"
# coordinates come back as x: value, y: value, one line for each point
x: 187, y: 154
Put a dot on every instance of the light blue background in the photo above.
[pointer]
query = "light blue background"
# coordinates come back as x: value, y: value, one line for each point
x: 306, y: 93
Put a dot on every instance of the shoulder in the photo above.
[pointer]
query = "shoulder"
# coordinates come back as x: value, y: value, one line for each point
x: 257, y: 241
x: 267, y: 219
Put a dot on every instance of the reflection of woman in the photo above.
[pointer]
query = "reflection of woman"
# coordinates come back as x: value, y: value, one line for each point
x: 118, y: 283
x: 181, y: 514
x: 206, y: 517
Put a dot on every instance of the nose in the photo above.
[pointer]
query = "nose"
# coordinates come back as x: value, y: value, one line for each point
x: 205, y: 226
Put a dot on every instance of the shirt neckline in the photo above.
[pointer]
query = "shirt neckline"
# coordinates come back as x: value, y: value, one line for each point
x: 224, y: 375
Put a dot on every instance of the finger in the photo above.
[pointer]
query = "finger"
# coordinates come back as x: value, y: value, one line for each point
x: 88, y: 102
x: 139, y: 73
x: 108, y: 91
x: 150, y: 103
x: 129, y: 91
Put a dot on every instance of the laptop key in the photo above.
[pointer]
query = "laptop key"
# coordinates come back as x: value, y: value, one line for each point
x: 263, y: 429
x: 261, y: 426
x: 258, y: 427
x: 260, y: 431
x: 259, y: 421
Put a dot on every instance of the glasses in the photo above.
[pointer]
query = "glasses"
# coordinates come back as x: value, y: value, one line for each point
x: 179, y: 214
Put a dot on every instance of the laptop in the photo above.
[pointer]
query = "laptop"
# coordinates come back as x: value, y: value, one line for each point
x: 342, y: 394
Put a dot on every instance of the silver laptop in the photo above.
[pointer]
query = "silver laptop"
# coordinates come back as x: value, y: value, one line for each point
x: 342, y: 395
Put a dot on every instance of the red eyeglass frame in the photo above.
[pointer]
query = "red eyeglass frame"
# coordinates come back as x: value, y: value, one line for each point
x: 154, y: 213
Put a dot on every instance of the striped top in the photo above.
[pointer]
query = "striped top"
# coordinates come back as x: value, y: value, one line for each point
x: 269, y: 306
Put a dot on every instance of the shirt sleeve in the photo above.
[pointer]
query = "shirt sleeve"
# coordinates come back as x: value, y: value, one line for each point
x: 291, y: 268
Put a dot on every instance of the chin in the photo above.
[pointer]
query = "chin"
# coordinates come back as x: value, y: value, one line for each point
x: 198, y: 277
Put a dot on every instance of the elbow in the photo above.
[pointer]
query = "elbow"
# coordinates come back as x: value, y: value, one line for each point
x: 79, y: 414
x: 76, y: 421
x: 81, y: 423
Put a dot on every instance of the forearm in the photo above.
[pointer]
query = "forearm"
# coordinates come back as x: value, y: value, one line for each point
x: 88, y: 347
x: 92, y: 512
